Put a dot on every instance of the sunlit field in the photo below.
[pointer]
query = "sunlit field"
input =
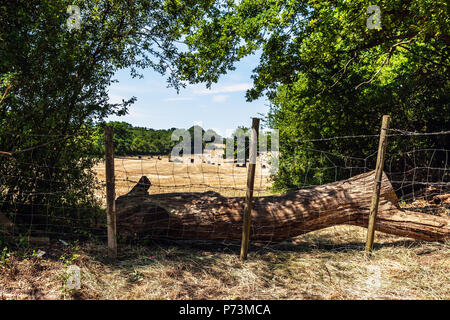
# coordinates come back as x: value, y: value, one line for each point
x: 227, y: 178
x: 325, y: 264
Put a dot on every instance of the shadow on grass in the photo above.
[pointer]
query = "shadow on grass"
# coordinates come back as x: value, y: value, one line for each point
x: 203, y: 254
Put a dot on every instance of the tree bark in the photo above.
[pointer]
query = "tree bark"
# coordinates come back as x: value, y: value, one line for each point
x: 207, y: 216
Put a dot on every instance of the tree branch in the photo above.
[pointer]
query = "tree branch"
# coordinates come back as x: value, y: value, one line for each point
x: 391, y: 51
x: 6, y: 92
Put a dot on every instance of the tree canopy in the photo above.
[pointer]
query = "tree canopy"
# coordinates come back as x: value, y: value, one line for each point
x: 54, y: 86
x: 327, y: 74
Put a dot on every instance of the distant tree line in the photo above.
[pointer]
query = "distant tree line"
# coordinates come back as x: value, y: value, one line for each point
x: 130, y: 140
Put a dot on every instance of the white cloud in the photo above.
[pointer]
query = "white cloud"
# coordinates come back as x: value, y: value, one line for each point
x: 220, y: 98
x: 178, y: 99
x: 226, y: 88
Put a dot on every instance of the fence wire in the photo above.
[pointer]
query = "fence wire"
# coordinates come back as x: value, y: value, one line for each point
x: 44, y: 204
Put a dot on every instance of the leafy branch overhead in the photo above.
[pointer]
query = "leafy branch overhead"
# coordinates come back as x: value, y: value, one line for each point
x: 326, y: 73
x: 312, y: 38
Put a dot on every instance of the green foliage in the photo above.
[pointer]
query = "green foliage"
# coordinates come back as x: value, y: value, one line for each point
x: 130, y: 140
x: 242, y: 135
x: 68, y: 261
x: 4, y: 256
x: 53, y: 88
x: 326, y: 74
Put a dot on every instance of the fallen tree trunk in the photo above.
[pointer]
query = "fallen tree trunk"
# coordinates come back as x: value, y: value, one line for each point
x: 203, y: 216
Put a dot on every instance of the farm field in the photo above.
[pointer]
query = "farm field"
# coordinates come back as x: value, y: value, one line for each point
x: 166, y: 177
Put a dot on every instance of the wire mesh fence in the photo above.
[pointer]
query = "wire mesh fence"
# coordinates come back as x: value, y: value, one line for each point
x: 45, y: 192
x: 227, y: 178
x: 206, y: 200
x: 202, y: 197
x: 419, y: 174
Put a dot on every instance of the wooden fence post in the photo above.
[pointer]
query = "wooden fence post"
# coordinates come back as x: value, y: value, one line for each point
x: 250, y: 185
x: 110, y: 192
x: 377, y: 183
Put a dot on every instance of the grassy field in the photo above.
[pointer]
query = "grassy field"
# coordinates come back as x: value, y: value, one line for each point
x: 165, y: 176
x: 329, y: 264
x: 326, y: 264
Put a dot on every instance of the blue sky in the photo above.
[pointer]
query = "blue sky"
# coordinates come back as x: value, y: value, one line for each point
x: 222, y: 108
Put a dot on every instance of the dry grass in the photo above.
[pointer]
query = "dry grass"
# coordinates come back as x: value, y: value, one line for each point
x: 165, y: 176
x: 328, y: 264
